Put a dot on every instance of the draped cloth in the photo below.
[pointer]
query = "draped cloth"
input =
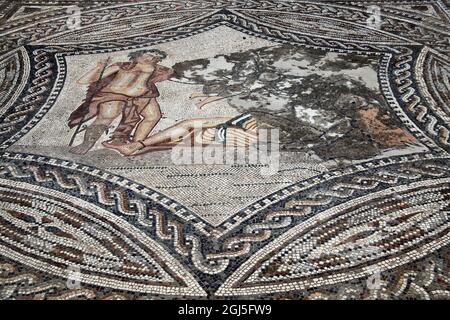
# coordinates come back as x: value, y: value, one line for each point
x: 97, y: 94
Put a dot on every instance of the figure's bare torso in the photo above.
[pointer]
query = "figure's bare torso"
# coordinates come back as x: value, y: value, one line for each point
x: 132, y: 82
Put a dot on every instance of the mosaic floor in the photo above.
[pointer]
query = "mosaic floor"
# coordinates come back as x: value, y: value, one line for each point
x: 346, y: 105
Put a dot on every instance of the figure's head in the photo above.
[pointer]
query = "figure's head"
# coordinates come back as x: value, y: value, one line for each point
x: 147, y: 56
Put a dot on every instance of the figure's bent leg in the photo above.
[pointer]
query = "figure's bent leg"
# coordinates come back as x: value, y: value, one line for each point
x: 183, y: 128
x: 174, y: 133
x: 151, y: 114
x: 122, y: 133
x: 107, y: 112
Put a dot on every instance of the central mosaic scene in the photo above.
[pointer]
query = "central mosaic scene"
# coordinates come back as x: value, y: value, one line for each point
x: 126, y: 112
x: 203, y: 150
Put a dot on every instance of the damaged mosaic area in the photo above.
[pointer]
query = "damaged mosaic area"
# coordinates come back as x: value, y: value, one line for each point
x: 312, y: 96
x: 95, y: 99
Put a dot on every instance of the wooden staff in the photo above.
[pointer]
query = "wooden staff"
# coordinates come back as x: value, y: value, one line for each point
x: 89, y: 101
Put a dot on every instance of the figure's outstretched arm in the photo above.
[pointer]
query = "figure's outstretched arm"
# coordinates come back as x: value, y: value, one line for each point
x: 163, y: 73
x: 94, y: 74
